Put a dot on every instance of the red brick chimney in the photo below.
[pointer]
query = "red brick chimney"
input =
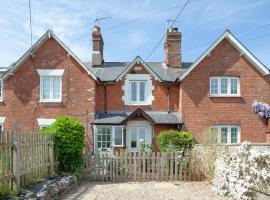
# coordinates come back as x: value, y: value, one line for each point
x: 97, y: 53
x: 172, y: 48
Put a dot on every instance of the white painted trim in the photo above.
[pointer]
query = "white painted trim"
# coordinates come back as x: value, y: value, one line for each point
x: 2, y: 120
x: 148, y: 88
x: 228, y: 94
x: 50, y: 72
x: 229, y: 133
x: 51, y: 100
x: 228, y: 35
x: 45, y: 122
x: 138, y: 60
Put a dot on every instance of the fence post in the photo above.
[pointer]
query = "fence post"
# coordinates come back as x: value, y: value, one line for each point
x: 16, y: 166
x: 51, y: 159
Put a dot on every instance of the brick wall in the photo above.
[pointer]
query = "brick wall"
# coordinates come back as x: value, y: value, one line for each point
x: 21, y: 105
x: 115, y: 93
x: 201, y: 111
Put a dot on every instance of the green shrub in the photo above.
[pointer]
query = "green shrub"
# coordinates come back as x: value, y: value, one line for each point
x: 173, y: 140
x: 68, y: 134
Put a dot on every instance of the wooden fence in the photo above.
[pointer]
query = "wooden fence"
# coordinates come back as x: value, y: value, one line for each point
x: 149, y: 166
x: 25, y: 158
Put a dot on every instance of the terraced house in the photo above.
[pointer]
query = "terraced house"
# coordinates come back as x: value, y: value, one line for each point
x: 122, y: 104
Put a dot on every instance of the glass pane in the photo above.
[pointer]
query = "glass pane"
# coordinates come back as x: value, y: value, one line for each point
x: 133, y: 91
x: 233, y: 86
x: 141, y: 135
x: 224, y: 134
x: 108, y: 145
x: 142, y: 91
x: 223, y: 86
x: 56, y: 87
x: 99, y: 138
x: 234, y: 135
x: 214, y: 86
x: 133, y: 138
x: 118, y: 136
x: 103, y: 144
x: 46, y: 82
x: 99, y: 144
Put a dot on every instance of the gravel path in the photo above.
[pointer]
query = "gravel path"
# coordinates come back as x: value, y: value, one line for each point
x: 142, y: 191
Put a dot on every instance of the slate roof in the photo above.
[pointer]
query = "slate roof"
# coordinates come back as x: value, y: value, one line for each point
x: 110, y: 71
x: 117, y: 117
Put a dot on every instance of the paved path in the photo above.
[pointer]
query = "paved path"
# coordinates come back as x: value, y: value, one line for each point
x: 142, y: 191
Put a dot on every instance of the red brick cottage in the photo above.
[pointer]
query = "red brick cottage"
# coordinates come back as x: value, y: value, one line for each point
x: 122, y: 104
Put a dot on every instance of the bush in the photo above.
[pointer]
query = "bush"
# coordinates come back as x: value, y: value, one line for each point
x: 68, y: 134
x: 173, y: 140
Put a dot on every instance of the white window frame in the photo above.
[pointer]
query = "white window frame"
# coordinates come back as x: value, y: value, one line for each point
x: 229, y: 133
x: 43, y: 123
x: 113, y: 136
x: 148, y: 89
x: 1, y: 89
x: 50, y: 73
x: 228, y: 94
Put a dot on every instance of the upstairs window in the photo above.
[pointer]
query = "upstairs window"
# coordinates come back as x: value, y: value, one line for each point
x: 138, y: 89
x: 224, y: 86
x: 226, y: 134
x: 50, y: 85
x: 1, y: 89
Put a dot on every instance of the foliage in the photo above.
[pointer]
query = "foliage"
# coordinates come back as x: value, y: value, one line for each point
x: 145, y: 147
x: 239, y: 174
x: 68, y: 134
x: 262, y: 109
x: 173, y: 140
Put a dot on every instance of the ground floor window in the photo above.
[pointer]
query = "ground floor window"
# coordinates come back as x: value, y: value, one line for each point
x: 137, y: 137
x: 108, y: 137
x: 44, y: 123
x: 226, y: 134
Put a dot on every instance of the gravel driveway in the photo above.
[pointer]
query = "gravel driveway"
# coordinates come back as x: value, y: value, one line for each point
x: 142, y: 191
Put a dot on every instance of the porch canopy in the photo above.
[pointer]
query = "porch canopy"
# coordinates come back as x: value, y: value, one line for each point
x: 121, y: 117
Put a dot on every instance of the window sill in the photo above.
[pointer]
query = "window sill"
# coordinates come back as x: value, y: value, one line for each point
x: 50, y: 101
x: 118, y: 146
x: 138, y: 103
x: 222, y: 96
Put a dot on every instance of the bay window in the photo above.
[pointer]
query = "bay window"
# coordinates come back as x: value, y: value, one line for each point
x: 108, y: 137
x: 224, y: 86
x: 226, y: 134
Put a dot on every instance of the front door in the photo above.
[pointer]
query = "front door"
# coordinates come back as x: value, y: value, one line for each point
x: 104, y: 140
x: 137, y: 135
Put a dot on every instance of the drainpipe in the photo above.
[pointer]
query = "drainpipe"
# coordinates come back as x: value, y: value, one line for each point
x: 105, y: 97
x: 169, y: 98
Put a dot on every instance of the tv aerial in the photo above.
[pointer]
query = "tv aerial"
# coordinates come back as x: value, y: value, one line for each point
x: 97, y: 20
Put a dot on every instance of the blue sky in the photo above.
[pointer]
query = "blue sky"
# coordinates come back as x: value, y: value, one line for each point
x: 128, y: 32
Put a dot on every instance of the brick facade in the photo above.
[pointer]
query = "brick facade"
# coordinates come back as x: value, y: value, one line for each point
x: 82, y: 96
x: 200, y: 111
x: 21, y: 106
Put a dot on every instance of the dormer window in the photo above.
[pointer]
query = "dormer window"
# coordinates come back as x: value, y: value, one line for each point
x: 138, y: 89
x: 50, y: 85
x: 224, y: 86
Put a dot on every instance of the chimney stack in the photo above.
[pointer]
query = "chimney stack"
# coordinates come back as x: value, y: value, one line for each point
x: 172, y: 48
x: 97, y: 53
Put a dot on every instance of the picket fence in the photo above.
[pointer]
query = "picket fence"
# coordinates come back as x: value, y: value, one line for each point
x: 25, y: 158
x: 149, y: 166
